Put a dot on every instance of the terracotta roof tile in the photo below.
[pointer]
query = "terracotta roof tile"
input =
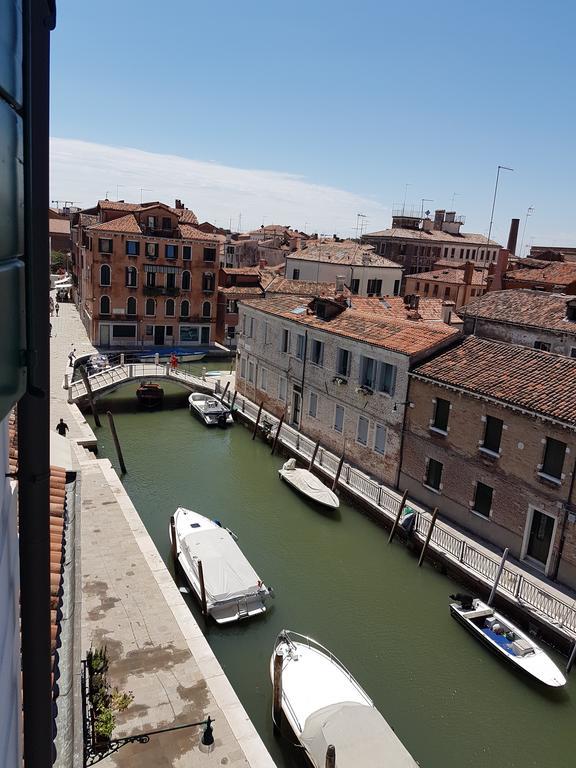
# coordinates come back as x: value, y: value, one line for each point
x: 453, y: 276
x: 302, y: 287
x: 532, y: 309
x: 429, y: 310
x: 347, y: 252
x: 526, y: 378
x: 402, y: 336
x: 127, y: 224
x: 553, y: 273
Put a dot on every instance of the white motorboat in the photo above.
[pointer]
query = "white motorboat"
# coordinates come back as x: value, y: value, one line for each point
x: 210, y: 410
x: 308, y: 484
x: 504, y: 638
x: 232, y: 587
x: 325, y: 706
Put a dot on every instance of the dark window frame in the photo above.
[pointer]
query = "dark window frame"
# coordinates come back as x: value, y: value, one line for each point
x: 441, y: 415
x: 434, y: 470
x: 483, y: 498
x: 492, y: 440
x: 552, y: 460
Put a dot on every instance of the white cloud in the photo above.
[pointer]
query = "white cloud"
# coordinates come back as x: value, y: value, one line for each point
x: 85, y: 172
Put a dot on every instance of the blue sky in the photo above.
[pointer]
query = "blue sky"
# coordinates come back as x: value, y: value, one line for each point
x: 362, y: 97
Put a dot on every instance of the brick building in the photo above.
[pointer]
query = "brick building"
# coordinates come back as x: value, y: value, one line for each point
x: 338, y: 372
x: 490, y: 438
x: 145, y: 275
x: 536, y: 319
x: 416, y: 241
x: 458, y: 284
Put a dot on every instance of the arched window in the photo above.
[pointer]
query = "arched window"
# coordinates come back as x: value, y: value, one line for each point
x: 206, y: 309
x: 104, y: 305
x: 186, y: 280
x: 131, y: 277
x: 169, y: 312
x: 105, y: 275
x: 131, y: 306
x: 150, y: 307
x: 185, y: 308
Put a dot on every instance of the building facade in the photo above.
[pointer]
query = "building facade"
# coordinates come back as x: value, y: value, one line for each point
x: 536, y: 319
x: 338, y: 374
x: 457, y: 284
x: 490, y: 439
x: 364, y: 272
x: 147, y: 277
x: 416, y: 241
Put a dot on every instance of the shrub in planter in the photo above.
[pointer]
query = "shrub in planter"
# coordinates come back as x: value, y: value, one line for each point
x: 105, y: 701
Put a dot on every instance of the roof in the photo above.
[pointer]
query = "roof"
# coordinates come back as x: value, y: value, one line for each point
x: 348, y: 253
x: 237, y: 291
x: 403, y: 336
x: 464, y: 238
x: 59, y: 226
x: 129, y: 225
x: 302, y: 287
x: 118, y: 205
x: 532, y: 309
x: 518, y: 376
x: 429, y: 310
x: 184, y: 214
x: 454, y: 276
x: 553, y: 272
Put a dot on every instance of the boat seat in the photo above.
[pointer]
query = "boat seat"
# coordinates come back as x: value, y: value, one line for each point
x: 479, y: 613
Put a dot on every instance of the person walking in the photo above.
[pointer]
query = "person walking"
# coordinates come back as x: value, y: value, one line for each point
x: 57, y: 308
x: 71, y: 356
x: 173, y: 362
x: 62, y: 428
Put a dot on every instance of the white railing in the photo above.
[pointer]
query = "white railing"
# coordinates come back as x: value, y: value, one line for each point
x: 454, y: 546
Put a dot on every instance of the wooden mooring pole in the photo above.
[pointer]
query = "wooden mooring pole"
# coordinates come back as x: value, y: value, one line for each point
x: 116, y: 442
x: 313, y: 459
x: 90, y: 396
x: 257, y: 420
x: 498, y: 576
x: 277, y: 434
x: 428, y: 536
x: 202, y: 588
x: 173, y: 538
x: 331, y: 756
x: 338, y: 471
x: 398, y: 516
x: 277, y: 689
x: 572, y: 659
x: 233, y: 400
x: 224, y: 393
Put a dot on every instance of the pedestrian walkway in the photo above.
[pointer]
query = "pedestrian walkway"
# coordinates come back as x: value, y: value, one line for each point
x: 131, y: 604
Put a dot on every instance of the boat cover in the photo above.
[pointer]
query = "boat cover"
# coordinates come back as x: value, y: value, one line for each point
x: 360, y: 735
x: 227, y: 573
x: 310, y: 485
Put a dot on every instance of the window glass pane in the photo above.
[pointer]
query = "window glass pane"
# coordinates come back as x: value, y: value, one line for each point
x: 380, y: 439
x: 386, y: 377
x: 441, y: 414
x: 493, y: 434
x: 483, y: 499
x: 263, y: 379
x: 342, y: 362
x: 367, y: 369
x: 362, y: 431
x: 434, y: 474
x: 313, y: 405
x: 186, y: 252
x: 338, y: 418
x: 300, y: 347
x: 282, y: 389
x: 554, y: 457
x: 285, y: 340
x: 317, y: 352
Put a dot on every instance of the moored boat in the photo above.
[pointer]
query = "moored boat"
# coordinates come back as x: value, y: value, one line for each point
x: 184, y: 355
x: 232, y: 587
x: 306, y: 483
x: 506, y: 639
x: 324, y: 706
x: 150, y: 394
x: 210, y: 410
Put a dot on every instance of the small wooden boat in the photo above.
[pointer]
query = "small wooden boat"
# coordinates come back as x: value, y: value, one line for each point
x: 232, y: 587
x: 210, y: 410
x: 308, y: 485
x: 150, y: 394
x: 184, y: 355
x: 324, y: 705
x: 506, y: 640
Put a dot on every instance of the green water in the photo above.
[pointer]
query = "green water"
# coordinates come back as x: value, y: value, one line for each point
x: 338, y: 580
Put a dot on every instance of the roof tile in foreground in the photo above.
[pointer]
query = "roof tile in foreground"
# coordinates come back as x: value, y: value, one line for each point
x: 536, y: 381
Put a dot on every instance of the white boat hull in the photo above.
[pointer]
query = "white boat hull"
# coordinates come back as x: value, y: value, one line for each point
x: 310, y: 486
x: 536, y: 663
x: 244, y: 603
x: 211, y: 416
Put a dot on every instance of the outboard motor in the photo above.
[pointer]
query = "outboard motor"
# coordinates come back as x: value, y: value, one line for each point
x: 222, y: 420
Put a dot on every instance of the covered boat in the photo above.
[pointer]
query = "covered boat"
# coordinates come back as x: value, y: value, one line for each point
x: 210, y: 410
x: 150, y: 394
x: 184, y: 354
x: 232, y: 587
x: 325, y: 706
x: 308, y: 484
x: 506, y: 639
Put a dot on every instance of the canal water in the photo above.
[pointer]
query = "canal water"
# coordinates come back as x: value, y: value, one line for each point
x: 336, y: 579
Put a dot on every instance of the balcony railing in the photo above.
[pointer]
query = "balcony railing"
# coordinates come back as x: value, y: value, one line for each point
x: 160, y: 290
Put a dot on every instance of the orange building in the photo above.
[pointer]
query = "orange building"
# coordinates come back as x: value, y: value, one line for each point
x: 145, y: 275
x: 458, y: 284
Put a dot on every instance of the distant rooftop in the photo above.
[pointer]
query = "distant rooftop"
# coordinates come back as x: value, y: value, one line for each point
x: 346, y: 252
x: 555, y: 273
x: 453, y: 276
x: 436, y: 235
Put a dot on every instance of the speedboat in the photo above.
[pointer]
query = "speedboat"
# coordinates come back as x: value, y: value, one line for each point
x: 324, y: 706
x: 232, y: 588
x: 149, y: 394
x: 308, y: 484
x: 210, y: 410
x: 505, y: 639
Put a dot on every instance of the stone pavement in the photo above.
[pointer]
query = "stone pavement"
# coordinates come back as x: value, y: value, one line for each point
x: 131, y: 604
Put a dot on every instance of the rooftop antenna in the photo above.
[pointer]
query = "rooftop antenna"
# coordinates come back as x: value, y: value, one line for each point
x: 117, y: 188
x: 454, y: 195
x: 405, y: 193
x: 529, y: 212
x: 359, y: 218
x: 422, y: 201
x: 240, y: 222
x: 143, y: 189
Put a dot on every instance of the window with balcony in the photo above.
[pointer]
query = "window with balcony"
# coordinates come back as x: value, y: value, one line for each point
x: 131, y: 305
x: 492, y: 435
x: 441, y: 416
x: 554, y: 455
x: 186, y: 280
x: 131, y: 277
x: 185, y: 308
x: 206, y: 309
x: 482, y: 503
x: 104, y: 245
x: 132, y: 248
x: 105, y: 275
x: 209, y: 254
x: 169, y: 310
x: 150, y: 307
x: 186, y: 252
x: 171, y: 251
x: 362, y: 432
x: 343, y: 362
x: 317, y: 352
x: 434, y: 474
x: 104, y: 305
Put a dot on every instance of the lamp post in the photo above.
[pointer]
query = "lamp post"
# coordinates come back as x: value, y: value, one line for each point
x: 529, y: 212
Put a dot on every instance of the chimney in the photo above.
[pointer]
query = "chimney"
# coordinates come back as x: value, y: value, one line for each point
x: 439, y: 218
x: 339, y: 284
x: 468, y: 272
x: 427, y: 225
x: 178, y: 205
x: 495, y: 283
x: 513, y: 236
x: 447, y: 309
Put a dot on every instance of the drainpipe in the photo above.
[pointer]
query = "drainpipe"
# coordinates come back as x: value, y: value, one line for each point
x: 303, y: 374
x: 567, y: 505
x: 400, y: 458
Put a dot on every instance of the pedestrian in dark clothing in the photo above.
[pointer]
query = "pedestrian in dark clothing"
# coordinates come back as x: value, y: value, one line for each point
x: 71, y: 356
x: 62, y: 428
x: 57, y: 308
